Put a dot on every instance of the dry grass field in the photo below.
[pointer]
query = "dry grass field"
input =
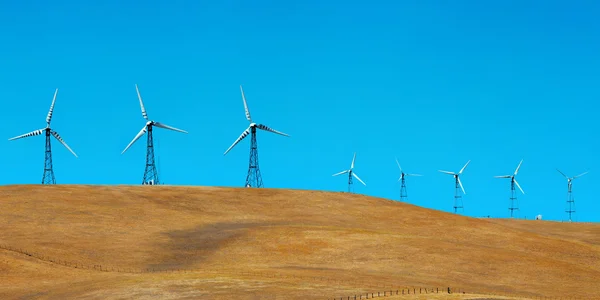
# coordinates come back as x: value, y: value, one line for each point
x: 165, y: 242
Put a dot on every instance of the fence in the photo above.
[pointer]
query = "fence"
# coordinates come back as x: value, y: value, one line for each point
x: 389, y: 288
x: 404, y: 291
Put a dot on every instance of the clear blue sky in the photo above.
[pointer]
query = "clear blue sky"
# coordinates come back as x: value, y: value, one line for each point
x: 435, y: 83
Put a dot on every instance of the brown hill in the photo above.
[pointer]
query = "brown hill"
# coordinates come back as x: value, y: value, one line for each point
x: 186, y: 242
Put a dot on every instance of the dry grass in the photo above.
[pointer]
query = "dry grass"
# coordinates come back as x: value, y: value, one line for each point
x: 275, y: 244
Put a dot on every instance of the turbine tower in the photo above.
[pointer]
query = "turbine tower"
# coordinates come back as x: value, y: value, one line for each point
x: 514, y: 205
x: 457, y: 187
x: 570, y: 200
x: 403, y: 194
x: 150, y: 173
x: 48, y: 177
x: 350, y: 174
x: 253, y: 179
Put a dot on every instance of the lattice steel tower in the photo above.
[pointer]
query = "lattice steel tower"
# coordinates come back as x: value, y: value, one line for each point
x: 458, y: 203
x: 253, y: 179
x: 150, y: 173
x: 48, y: 177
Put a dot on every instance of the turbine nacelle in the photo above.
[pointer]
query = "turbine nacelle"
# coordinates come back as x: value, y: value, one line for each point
x: 149, y: 123
x: 351, y: 172
x: 252, y: 125
x: 456, y: 175
x: 570, y: 179
x: 402, y: 174
x: 47, y: 128
x: 512, y: 177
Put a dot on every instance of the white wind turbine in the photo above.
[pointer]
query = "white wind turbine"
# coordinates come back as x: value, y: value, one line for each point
x: 570, y: 199
x: 48, y: 177
x: 513, y: 195
x: 457, y: 196
x: 150, y: 173
x: 350, y: 174
x: 254, y: 178
x: 403, y: 194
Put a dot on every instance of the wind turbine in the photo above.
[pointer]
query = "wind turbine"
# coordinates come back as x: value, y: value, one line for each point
x: 403, y: 194
x: 253, y: 179
x: 350, y: 174
x: 48, y: 177
x: 457, y: 196
x: 150, y: 173
x: 513, y: 194
x: 570, y: 199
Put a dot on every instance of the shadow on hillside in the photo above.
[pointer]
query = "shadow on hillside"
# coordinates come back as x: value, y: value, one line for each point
x: 187, y: 248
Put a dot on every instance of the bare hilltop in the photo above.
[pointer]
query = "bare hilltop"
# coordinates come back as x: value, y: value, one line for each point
x: 175, y: 242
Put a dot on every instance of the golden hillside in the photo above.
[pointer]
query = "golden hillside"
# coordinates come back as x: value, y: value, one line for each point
x: 167, y: 242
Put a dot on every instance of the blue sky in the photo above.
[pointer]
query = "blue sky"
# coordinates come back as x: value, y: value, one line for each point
x: 434, y: 83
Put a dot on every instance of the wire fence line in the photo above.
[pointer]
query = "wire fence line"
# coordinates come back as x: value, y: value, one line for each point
x: 449, y: 290
x: 385, y: 288
x: 402, y: 291
x: 368, y: 282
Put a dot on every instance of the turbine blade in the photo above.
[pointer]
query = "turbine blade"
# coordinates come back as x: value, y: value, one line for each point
x: 447, y: 172
x: 340, y: 173
x: 246, y: 105
x: 414, y: 175
x: 461, y: 186
x: 581, y: 174
x: 165, y: 126
x: 356, y: 176
x: 135, y: 138
x: 49, y: 116
x: 503, y: 176
x: 518, y: 167
x: 519, y: 186
x: 33, y: 133
x: 463, y: 168
x: 242, y: 136
x: 265, y: 128
x: 57, y: 136
x: 353, y: 159
x: 144, y: 114
x: 399, y: 167
x: 563, y: 174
